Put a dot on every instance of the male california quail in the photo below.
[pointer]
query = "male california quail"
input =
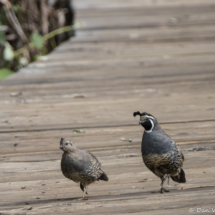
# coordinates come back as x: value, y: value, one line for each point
x: 80, y: 165
x: 160, y: 153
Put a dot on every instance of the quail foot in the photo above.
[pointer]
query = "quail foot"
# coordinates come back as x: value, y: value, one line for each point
x: 80, y: 166
x: 160, y: 153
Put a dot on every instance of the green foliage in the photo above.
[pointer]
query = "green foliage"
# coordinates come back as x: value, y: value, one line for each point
x: 37, y: 40
x: 5, y: 72
x: 35, y: 48
x: 2, y: 38
x: 23, y: 61
x: 3, y: 16
x: 16, y: 8
x: 15, y: 54
x: 8, y: 53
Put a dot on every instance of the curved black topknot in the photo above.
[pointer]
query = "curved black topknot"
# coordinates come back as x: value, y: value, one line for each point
x: 61, y: 140
x: 141, y: 114
x: 136, y: 113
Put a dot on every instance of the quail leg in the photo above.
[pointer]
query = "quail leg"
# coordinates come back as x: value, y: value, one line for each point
x: 162, y: 182
x: 85, y: 191
x: 168, y: 178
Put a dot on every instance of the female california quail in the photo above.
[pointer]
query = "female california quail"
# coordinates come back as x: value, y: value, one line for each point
x: 80, y: 165
x: 160, y: 153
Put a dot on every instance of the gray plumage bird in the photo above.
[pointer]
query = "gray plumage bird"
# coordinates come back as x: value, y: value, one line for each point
x: 160, y: 153
x: 80, y: 166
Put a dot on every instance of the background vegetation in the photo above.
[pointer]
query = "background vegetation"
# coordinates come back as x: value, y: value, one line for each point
x: 29, y: 29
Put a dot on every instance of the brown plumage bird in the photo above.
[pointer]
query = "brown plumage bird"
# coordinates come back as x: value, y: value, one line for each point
x: 80, y: 166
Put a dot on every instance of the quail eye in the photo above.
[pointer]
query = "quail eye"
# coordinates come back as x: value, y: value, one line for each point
x: 66, y: 143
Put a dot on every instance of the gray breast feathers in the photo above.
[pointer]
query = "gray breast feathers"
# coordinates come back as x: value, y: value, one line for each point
x: 157, y: 142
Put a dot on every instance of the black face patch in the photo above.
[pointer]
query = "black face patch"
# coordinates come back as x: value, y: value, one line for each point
x: 147, y: 125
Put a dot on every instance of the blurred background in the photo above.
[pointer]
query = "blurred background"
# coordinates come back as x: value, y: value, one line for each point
x: 30, y: 29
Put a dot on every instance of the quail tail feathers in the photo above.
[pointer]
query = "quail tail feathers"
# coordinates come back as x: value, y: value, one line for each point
x: 103, y: 177
x: 180, y: 178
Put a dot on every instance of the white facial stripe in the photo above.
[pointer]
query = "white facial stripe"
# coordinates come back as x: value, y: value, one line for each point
x: 149, y: 117
x: 152, y: 126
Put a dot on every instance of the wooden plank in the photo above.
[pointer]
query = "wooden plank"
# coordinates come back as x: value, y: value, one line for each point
x: 154, y: 12
x: 145, y: 17
x: 81, y: 4
x: 30, y: 114
x: 93, y: 139
x: 53, y: 183
x: 148, y: 36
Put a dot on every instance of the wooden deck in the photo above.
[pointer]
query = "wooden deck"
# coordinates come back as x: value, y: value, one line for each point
x: 148, y: 55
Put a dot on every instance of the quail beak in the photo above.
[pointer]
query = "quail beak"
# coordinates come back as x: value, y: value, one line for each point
x: 61, y: 147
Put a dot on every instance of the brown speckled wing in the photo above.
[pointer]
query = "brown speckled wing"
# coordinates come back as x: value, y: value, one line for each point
x: 94, y: 171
